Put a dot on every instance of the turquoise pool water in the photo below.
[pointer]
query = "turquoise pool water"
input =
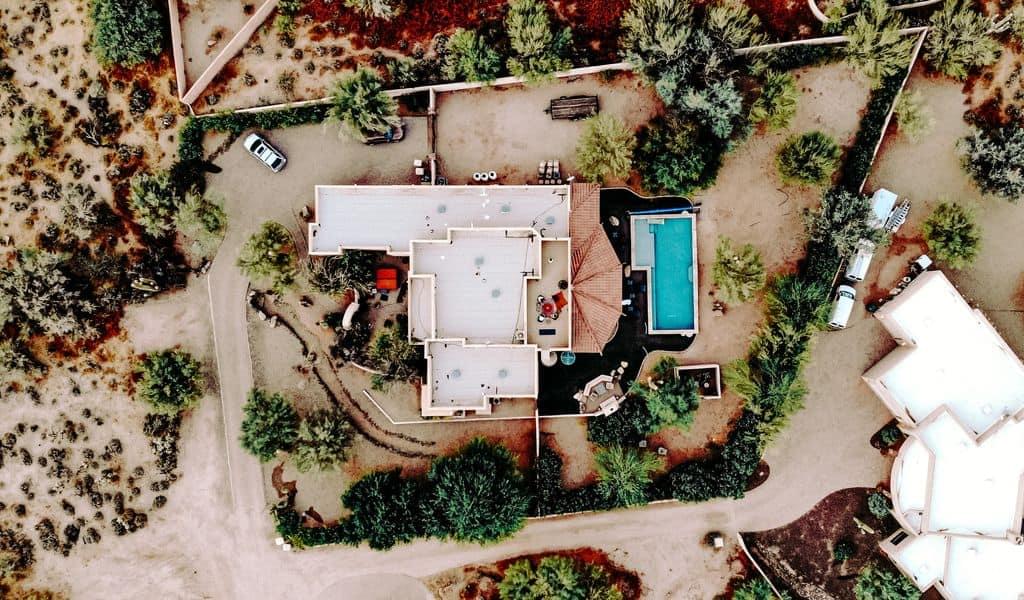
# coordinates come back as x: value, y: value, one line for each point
x: 666, y: 246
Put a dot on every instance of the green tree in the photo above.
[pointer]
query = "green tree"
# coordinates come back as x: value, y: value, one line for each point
x: 391, y: 352
x: 41, y: 294
x: 875, y: 46
x: 994, y: 158
x: 170, y: 381
x: 605, y: 149
x: 556, y: 577
x: 270, y: 254
x: 34, y: 132
x: 537, y: 48
x: 154, y: 200
x: 776, y: 105
x: 960, y: 40
x: 125, y: 32
x: 624, y: 474
x: 878, y: 505
x: 269, y: 424
x: 203, y: 220
x: 323, y: 441
x: 476, y: 495
x: 361, y: 106
x: 384, y: 509
x: 718, y: 106
x: 671, y: 400
x: 739, y: 273
x: 810, y: 158
x: 876, y: 582
x: 755, y: 589
x: 797, y: 303
x: 674, y: 156
x: 952, y: 234
x: 334, y: 275
x: 379, y: 9
x: 913, y: 116
x: 470, y: 57
x: 628, y: 425
x: 842, y: 220
x: 80, y: 210
x: 843, y: 550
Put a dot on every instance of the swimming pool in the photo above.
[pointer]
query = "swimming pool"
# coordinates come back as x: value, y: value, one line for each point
x: 665, y: 246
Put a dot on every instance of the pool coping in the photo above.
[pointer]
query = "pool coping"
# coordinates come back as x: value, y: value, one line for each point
x: 647, y: 269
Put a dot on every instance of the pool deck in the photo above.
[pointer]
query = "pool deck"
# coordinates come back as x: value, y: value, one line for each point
x: 643, y: 259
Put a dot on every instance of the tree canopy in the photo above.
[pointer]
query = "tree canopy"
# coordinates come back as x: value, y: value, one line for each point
x: 336, y: 274
x: 170, y: 381
x: 380, y: 9
x: 675, y: 156
x: 875, y: 46
x: 876, y: 582
x: 994, y: 158
x: 270, y: 423
x: 270, y: 255
x: 476, y: 495
x: 538, y: 49
x: 38, y: 292
x: 125, y: 32
x: 556, y: 577
x: 624, y: 474
x: 671, y: 400
x: 960, y: 40
x: 323, y: 440
x: 471, y: 57
x: 384, y: 509
x: 776, y: 105
x: 154, y: 200
x: 361, y: 106
x: 952, y: 234
x: 913, y: 116
x: 843, y: 219
x: 605, y: 149
x: 738, y: 273
x: 810, y: 158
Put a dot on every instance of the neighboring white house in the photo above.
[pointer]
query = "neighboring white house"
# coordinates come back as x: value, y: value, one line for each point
x: 957, y: 484
x: 497, y: 275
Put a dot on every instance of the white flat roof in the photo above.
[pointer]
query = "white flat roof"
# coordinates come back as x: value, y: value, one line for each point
x: 390, y: 217
x: 984, y: 569
x: 464, y: 375
x: 923, y: 558
x: 958, y: 360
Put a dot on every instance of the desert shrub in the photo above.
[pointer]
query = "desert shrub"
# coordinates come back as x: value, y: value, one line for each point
x: 163, y: 432
x: 738, y: 273
x: 17, y: 555
x: 80, y: 210
x: 154, y: 200
x: 334, y: 275
x: 843, y: 219
x: 286, y: 83
x: 843, y: 550
x: 754, y: 589
x: 952, y: 234
x: 361, y: 106
x: 624, y: 474
x: 677, y: 156
x: 42, y: 294
x: 34, y: 132
x: 537, y: 48
x: 269, y: 424
x: 270, y: 255
x: 384, y: 509
x: 960, y: 40
x: 630, y: 424
x: 878, y: 505
x: 877, y: 582
x: 475, y: 495
x: 203, y: 220
x: 671, y: 400
x: 810, y: 158
x: 323, y: 440
x: 994, y: 158
x: 775, y: 106
x: 170, y: 381
x: 125, y: 32
x: 378, y: 9
x: 605, y: 149
x: 15, y: 359
x: 470, y: 57
x: 391, y: 353
x: 913, y: 117
x: 875, y: 47
x: 556, y: 577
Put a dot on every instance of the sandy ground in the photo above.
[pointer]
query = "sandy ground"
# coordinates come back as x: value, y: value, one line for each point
x: 206, y: 21
x: 506, y: 130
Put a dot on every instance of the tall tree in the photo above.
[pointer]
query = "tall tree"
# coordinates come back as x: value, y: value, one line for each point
x: 361, y: 106
x: 471, y: 57
x: 994, y: 158
x: 842, y: 220
x: 41, y: 294
x: 876, y: 582
x: 952, y: 234
x: 810, y: 158
x: 269, y: 424
x: 384, y: 509
x: 776, y: 105
x: 671, y: 400
x: 170, y: 381
x: 154, y: 200
x: 739, y: 273
x: 125, y: 32
x: 334, y: 275
x: 605, y: 149
x: 875, y: 46
x: 960, y: 40
x: 913, y: 116
x: 624, y: 474
x: 270, y: 254
x: 557, y: 577
x: 537, y: 48
x: 323, y: 440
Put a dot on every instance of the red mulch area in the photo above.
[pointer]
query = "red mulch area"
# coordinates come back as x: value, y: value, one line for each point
x: 786, y: 19
x: 799, y: 555
x: 595, y: 24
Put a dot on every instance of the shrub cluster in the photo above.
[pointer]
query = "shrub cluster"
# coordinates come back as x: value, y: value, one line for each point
x: 860, y: 156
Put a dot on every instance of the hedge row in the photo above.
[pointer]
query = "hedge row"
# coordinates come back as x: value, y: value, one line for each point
x: 860, y: 155
x: 190, y: 140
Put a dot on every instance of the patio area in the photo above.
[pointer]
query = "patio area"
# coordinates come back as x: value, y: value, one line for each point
x: 602, y: 394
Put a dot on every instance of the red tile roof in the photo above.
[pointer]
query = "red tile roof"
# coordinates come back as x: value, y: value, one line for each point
x: 596, y: 273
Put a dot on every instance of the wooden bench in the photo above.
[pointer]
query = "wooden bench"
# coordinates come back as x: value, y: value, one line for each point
x: 573, y: 107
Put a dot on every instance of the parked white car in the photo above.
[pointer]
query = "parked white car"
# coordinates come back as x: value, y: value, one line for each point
x: 259, y: 147
x: 842, y: 307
